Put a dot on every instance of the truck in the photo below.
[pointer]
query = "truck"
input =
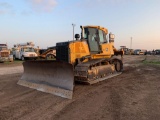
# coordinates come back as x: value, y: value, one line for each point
x: 157, y: 52
x: 24, y: 51
x: 140, y: 52
x: 126, y: 50
x: 5, y: 54
x: 137, y: 51
x: 143, y: 52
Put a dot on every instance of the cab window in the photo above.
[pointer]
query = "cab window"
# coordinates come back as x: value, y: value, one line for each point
x: 92, y: 35
x: 102, y: 36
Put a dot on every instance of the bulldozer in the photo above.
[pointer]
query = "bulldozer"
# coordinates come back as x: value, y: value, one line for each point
x: 89, y: 59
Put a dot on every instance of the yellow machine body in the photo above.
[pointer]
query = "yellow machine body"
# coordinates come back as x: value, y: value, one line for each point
x: 80, y: 49
x: 89, y: 59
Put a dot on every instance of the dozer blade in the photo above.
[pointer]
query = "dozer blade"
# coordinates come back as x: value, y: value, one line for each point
x: 53, y: 77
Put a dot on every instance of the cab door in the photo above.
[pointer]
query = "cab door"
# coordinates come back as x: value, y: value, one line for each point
x: 93, y: 40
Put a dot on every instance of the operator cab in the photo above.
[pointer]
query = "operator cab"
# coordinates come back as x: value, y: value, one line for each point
x: 94, y: 37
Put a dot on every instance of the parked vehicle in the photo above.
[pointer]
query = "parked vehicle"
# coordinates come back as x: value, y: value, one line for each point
x: 142, y: 52
x: 127, y: 51
x: 24, y: 51
x: 5, y: 53
x: 157, y: 52
x: 48, y: 54
x: 137, y: 51
x: 149, y: 52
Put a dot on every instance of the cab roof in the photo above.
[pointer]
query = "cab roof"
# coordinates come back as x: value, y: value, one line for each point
x: 98, y: 27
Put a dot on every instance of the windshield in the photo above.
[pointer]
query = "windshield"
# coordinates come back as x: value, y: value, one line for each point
x: 28, y: 49
x: 98, y: 35
x: 91, y: 34
x: 3, y: 48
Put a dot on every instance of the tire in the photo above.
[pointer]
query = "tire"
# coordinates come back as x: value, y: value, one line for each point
x: 50, y: 57
x: 118, y: 65
x: 14, y: 57
x: 35, y: 58
x: 22, y: 58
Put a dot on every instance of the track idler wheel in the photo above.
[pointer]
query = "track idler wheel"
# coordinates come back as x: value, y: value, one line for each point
x: 118, y: 65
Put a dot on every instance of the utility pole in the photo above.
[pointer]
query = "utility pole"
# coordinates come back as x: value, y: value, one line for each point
x: 73, y: 29
x: 131, y: 44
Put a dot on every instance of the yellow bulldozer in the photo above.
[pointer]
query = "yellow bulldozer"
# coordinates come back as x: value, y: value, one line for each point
x: 88, y: 59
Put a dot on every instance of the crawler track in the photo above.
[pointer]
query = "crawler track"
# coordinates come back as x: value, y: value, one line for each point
x: 97, y: 70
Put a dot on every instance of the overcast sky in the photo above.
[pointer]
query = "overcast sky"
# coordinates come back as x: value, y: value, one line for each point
x: 46, y: 22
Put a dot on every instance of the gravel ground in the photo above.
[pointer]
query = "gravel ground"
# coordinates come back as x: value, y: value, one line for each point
x: 133, y: 95
x: 11, y: 70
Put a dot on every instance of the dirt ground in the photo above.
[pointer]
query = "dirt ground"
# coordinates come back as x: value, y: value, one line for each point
x: 133, y: 95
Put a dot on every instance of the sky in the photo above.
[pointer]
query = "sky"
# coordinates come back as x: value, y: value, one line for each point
x: 46, y: 22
